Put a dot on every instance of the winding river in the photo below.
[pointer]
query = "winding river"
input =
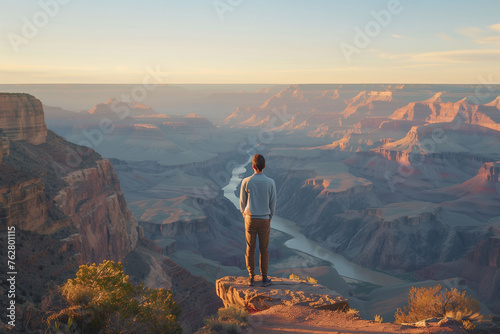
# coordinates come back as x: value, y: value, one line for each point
x: 301, y: 243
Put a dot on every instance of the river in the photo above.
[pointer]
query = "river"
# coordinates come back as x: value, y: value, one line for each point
x: 303, y: 244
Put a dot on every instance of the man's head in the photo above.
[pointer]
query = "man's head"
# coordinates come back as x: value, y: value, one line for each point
x: 258, y: 162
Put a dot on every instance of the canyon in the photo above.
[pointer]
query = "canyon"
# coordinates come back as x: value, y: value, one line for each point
x: 401, y: 179
x: 68, y: 209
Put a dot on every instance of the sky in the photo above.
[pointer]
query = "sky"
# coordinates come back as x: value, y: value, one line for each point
x: 250, y: 41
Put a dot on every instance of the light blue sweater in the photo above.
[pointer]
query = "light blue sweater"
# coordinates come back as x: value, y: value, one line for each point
x: 258, y: 196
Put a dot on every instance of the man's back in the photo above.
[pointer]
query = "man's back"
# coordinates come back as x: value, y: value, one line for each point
x: 257, y: 204
x: 258, y: 196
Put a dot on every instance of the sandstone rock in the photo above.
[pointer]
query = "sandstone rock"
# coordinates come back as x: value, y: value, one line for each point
x: 235, y: 291
x: 23, y: 204
x: 95, y: 204
x: 21, y: 118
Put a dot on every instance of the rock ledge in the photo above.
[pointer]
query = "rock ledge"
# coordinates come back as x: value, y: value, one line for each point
x: 234, y: 291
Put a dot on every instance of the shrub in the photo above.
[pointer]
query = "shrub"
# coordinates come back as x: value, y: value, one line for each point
x: 101, y: 298
x: 308, y: 279
x: 353, y: 313
x: 378, y: 319
x: 431, y: 302
x: 228, y: 320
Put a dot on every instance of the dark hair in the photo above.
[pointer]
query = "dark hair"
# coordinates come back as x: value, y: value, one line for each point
x: 259, y: 162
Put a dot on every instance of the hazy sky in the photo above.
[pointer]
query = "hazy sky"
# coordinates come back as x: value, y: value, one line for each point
x: 250, y: 41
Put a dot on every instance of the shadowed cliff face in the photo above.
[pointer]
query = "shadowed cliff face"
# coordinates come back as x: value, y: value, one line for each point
x: 40, y: 191
x: 484, y: 270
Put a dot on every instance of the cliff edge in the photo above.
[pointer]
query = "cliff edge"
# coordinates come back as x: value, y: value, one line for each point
x: 235, y: 291
x: 292, y: 306
x: 21, y: 118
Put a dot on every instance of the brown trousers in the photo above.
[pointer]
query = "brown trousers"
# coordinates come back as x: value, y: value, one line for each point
x: 262, y: 228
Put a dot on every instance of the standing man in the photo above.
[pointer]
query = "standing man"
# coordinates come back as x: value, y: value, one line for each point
x: 258, y: 204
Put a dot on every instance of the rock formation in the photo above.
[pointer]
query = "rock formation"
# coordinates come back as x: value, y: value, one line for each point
x: 21, y: 118
x: 61, y: 179
x: 435, y: 110
x: 234, y: 291
x: 371, y: 103
x: 95, y: 204
x: 24, y: 204
x: 68, y: 209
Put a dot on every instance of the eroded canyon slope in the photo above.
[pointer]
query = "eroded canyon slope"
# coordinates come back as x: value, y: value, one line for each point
x: 68, y: 209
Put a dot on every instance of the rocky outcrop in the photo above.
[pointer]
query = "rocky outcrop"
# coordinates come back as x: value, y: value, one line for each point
x: 24, y: 204
x: 415, y: 170
x: 491, y: 171
x: 435, y: 110
x: 486, y: 253
x: 445, y: 138
x: 21, y: 118
x: 114, y: 107
x: 63, y: 199
x: 234, y: 291
x: 96, y: 206
x: 482, y: 271
x: 42, y: 187
x: 372, y: 103
x: 308, y: 199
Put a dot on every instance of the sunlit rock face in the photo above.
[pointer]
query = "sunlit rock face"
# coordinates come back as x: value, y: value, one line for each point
x: 21, y: 118
x: 94, y: 202
x: 234, y: 291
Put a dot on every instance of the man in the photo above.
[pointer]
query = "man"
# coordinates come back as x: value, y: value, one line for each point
x: 258, y: 204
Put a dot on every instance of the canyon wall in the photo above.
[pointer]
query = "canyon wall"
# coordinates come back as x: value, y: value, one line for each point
x: 306, y: 199
x: 21, y: 118
x: 483, y: 270
x: 68, y: 208
x: 94, y: 202
x: 40, y: 184
x: 64, y: 200
x: 355, y: 221
x: 24, y: 204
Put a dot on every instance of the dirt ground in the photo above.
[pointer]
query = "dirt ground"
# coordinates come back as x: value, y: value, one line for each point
x: 300, y: 319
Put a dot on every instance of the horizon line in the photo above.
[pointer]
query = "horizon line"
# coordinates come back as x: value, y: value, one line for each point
x: 270, y: 84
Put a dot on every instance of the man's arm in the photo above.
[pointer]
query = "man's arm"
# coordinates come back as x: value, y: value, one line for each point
x: 272, y: 200
x: 243, y: 197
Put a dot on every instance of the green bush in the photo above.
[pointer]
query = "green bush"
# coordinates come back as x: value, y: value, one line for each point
x: 101, y: 298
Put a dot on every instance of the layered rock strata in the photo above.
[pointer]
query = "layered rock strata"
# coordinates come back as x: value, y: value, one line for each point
x: 234, y: 291
x: 21, y: 118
